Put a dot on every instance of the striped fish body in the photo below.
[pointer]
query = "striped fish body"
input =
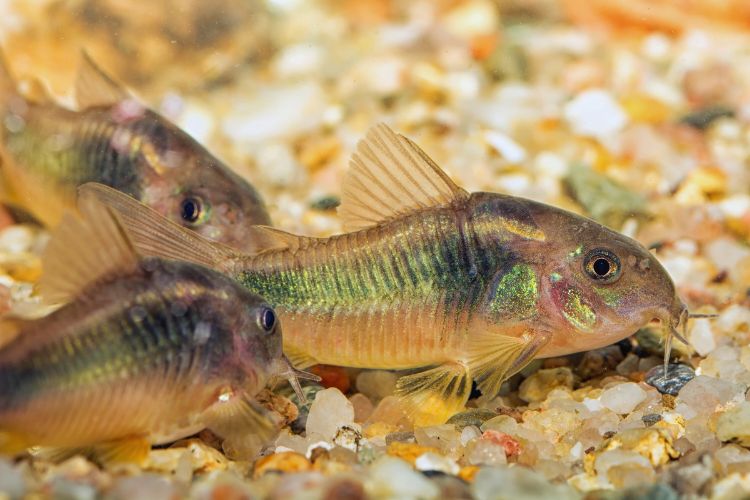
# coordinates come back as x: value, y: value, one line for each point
x: 403, y: 294
x: 48, y: 151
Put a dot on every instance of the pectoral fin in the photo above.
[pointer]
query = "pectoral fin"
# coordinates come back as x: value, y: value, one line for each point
x: 299, y: 359
x: 434, y: 395
x: 494, y: 357
x: 236, y: 415
x: 130, y: 450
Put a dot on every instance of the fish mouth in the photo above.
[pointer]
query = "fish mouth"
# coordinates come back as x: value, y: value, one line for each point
x: 674, y: 320
x: 285, y: 369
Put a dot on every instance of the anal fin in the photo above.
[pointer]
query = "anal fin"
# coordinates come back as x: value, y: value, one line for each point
x: 495, y: 357
x: 432, y: 396
x: 128, y: 450
x: 12, y: 444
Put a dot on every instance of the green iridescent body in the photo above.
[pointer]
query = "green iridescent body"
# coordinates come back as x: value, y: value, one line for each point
x: 48, y: 151
x: 473, y: 285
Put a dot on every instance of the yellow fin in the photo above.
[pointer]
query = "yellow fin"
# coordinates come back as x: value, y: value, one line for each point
x: 94, y: 87
x: 494, y: 357
x: 154, y: 235
x: 390, y: 176
x: 32, y: 89
x: 84, y: 249
x: 10, y: 327
x: 432, y: 396
x: 236, y: 414
x: 129, y: 450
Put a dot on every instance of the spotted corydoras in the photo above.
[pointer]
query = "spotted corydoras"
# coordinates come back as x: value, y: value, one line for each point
x: 144, y: 351
x: 468, y: 286
x: 47, y: 151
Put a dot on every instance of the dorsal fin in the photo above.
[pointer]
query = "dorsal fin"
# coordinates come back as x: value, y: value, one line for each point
x: 154, y: 235
x: 84, y: 249
x: 94, y: 87
x: 389, y: 177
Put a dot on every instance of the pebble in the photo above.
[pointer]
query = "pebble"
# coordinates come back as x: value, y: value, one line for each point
x: 376, y: 384
x: 330, y: 411
x: 677, y: 376
x: 394, y: 478
x: 485, y: 452
x: 363, y: 407
x: 734, y: 424
x: 474, y: 416
x: 517, y: 483
x: 287, y: 461
x: 701, y: 336
x: 150, y: 486
x: 540, y: 384
x: 595, y: 113
x: 434, y: 462
x: 506, y: 147
x: 11, y: 480
x: 623, y: 398
x: 703, y: 394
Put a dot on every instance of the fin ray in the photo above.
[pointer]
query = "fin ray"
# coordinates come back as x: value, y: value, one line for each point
x: 390, y: 176
x: 129, y: 450
x: 83, y: 250
x: 94, y: 87
x: 154, y: 235
x: 432, y: 396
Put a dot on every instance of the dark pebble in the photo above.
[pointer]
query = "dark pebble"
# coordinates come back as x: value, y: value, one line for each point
x: 651, y: 419
x: 326, y: 203
x: 476, y: 417
x: 678, y: 375
x: 702, y: 118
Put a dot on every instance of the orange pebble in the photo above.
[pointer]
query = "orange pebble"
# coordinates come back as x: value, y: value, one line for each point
x: 512, y: 447
x: 332, y: 376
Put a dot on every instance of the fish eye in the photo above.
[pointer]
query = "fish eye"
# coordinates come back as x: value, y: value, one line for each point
x: 602, y: 265
x: 192, y: 209
x: 267, y: 319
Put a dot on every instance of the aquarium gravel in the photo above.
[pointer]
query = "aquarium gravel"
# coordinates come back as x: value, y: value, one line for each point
x: 647, y: 131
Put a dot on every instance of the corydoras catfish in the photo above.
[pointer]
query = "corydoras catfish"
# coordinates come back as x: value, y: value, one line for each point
x: 47, y: 151
x: 468, y: 286
x: 144, y: 351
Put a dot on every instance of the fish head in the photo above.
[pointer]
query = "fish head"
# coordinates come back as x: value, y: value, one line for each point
x: 257, y: 347
x: 188, y: 185
x: 597, y: 285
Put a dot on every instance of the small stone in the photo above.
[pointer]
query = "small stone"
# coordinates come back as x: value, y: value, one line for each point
x: 326, y: 203
x: 651, y: 419
x: 150, y: 486
x: 348, y: 437
x: 329, y: 412
x: 595, y: 113
x: 512, y: 446
x: 623, y: 398
x: 11, y: 480
x: 485, y: 452
x: 518, y: 483
x: 345, y: 489
x: 701, y: 119
x: 408, y: 451
x: 474, y: 416
x: 332, y: 376
x: 540, y: 384
x: 390, y: 411
x: 16, y: 239
x: 506, y: 147
x: 703, y: 394
x: 434, y: 462
x: 701, y: 336
x: 287, y: 461
x: 363, y: 407
x: 734, y: 424
x: 599, y: 361
x: 376, y: 384
x: 394, y: 478
x: 677, y: 376
x: 653, y: 444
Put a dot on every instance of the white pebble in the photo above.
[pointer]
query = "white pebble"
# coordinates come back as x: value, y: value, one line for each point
x: 279, y: 166
x: 701, y: 337
x: 433, y: 461
x: 505, y: 146
x: 16, y: 239
x: 394, y: 478
x: 296, y: 60
x: 197, y: 121
x: 329, y: 412
x: 595, y: 113
x: 623, y: 398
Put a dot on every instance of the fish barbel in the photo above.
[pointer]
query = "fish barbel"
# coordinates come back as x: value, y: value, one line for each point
x: 145, y: 351
x: 47, y: 151
x: 468, y: 286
